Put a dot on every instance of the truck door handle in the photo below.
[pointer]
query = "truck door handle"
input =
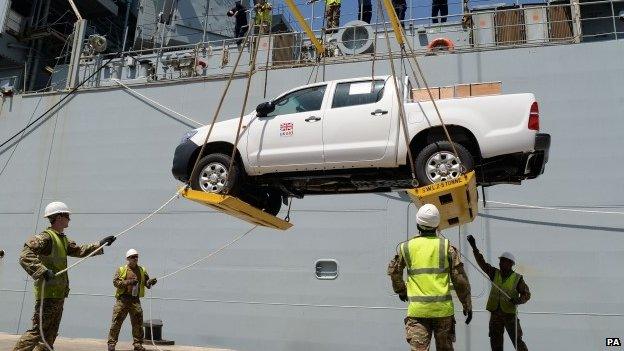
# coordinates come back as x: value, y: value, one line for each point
x: 379, y: 112
x: 312, y: 119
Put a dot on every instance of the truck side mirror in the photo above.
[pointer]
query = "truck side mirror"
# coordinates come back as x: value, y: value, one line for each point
x: 265, y: 108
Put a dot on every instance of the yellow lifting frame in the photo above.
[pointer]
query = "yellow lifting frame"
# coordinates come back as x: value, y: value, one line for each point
x: 320, y: 49
x: 456, y: 199
x: 237, y: 208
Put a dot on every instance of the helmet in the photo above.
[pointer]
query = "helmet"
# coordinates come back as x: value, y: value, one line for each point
x: 509, y: 256
x: 131, y: 252
x: 428, y: 215
x: 54, y: 208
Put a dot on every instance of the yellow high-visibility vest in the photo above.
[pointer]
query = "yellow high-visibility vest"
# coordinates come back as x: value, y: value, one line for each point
x: 263, y: 14
x: 497, y: 298
x: 123, y: 271
x: 333, y: 2
x: 57, y: 287
x: 428, y: 277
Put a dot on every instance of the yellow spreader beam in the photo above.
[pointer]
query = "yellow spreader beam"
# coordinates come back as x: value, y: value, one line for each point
x: 456, y: 199
x: 237, y: 208
x: 320, y: 49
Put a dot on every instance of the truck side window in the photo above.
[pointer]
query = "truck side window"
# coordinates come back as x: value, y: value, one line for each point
x: 358, y: 93
x: 304, y: 100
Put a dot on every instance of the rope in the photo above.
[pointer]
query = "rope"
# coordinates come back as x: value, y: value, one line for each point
x: 154, y: 102
x: 554, y: 208
x: 402, y: 119
x: 220, y: 105
x: 435, y: 105
x: 252, y: 70
x: 209, y: 255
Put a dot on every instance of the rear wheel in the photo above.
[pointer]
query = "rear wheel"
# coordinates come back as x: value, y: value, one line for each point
x: 437, y: 162
x: 214, y: 175
x: 268, y: 200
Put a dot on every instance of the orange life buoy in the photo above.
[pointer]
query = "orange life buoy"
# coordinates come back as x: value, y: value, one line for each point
x: 441, y: 44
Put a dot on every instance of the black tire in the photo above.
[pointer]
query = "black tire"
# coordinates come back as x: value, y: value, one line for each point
x: 444, y: 148
x: 268, y: 200
x: 221, y: 163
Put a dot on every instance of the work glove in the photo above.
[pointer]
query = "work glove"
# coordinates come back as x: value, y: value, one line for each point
x: 403, y: 297
x: 471, y: 241
x: 468, y: 314
x: 108, y: 240
x: 48, y: 275
x: 151, y: 282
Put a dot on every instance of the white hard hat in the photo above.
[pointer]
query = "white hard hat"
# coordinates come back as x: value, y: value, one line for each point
x: 54, y: 208
x: 428, y: 215
x: 509, y: 256
x: 131, y: 252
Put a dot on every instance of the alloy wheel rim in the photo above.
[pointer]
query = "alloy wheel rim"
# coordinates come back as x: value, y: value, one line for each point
x: 442, y: 166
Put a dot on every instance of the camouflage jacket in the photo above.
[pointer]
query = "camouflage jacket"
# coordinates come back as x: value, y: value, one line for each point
x: 523, y: 289
x: 41, y: 245
x: 458, y: 277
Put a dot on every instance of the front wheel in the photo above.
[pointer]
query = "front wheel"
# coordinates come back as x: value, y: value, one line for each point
x: 213, y: 175
x: 437, y: 162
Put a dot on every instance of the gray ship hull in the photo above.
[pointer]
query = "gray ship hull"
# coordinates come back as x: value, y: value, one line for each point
x: 108, y: 155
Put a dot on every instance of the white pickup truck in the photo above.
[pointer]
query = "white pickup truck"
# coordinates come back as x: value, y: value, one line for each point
x: 345, y: 136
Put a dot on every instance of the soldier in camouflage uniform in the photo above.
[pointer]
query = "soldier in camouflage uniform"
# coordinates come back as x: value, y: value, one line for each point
x: 130, y: 281
x: 42, y: 257
x: 432, y: 264
x: 503, y: 310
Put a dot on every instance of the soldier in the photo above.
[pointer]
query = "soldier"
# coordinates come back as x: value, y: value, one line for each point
x: 332, y: 14
x: 42, y: 257
x: 239, y: 12
x: 130, y: 281
x: 400, y: 6
x: 264, y: 17
x: 432, y: 264
x: 503, y: 311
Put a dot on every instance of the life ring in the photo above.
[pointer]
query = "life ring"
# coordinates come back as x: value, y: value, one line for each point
x: 442, y: 44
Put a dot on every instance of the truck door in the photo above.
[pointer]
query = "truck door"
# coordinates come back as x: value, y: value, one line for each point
x: 356, y: 126
x: 291, y: 137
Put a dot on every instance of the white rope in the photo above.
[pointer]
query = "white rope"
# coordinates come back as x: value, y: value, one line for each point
x: 124, y: 231
x: 154, y: 102
x: 554, y: 208
x: 210, y: 255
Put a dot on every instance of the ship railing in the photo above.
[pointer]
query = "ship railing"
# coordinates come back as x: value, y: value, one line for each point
x: 483, y: 29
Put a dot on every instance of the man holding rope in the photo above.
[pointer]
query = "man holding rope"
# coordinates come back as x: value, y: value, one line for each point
x: 43, y: 256
x: 503, y: 311
x: 130, y: 281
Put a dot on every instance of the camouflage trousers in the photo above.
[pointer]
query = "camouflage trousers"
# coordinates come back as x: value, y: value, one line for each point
x: 418, y: 332
x: 332, y: 16
x: 499, y: 322
x: 123, y: 307
x: 52, y: 314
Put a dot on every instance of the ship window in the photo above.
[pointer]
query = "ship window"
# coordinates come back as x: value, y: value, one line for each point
x: 304, y: 100
x: 326, y: 269
x: 358, y: 93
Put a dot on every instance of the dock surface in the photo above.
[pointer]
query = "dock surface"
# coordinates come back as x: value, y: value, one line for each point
x: 7, y: 341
